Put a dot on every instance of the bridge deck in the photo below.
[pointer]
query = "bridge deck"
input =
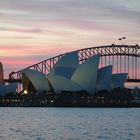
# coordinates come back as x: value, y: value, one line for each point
x: 20, y: 81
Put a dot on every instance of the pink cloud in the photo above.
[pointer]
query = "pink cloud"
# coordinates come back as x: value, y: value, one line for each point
x: 14, y: 58
x: 16, y: 51
x: 88, y: 25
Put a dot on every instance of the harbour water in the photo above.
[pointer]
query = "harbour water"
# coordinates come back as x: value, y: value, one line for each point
x: 17, y: 123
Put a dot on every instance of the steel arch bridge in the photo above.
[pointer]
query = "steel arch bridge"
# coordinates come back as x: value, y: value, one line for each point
x: 124, y: 58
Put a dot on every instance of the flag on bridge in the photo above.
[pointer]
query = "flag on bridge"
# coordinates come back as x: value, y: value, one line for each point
x: 120, y: 39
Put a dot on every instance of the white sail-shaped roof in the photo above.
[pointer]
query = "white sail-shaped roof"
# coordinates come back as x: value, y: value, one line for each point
x: 37, y: 79
x: 104, y: 78
x: 69, y: 62
x: 64, y: 71
x: 86, y: 74
x: 118, y: 80
x: 60, y: 83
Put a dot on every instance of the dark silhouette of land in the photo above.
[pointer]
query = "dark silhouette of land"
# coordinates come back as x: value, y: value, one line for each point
x: 117, y: 98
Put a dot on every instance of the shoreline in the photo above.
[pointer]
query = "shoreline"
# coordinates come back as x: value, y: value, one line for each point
x: 116, y: 99
x: 80, y: 106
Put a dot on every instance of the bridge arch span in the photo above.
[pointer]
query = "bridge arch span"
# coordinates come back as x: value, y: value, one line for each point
x: 124, y: 58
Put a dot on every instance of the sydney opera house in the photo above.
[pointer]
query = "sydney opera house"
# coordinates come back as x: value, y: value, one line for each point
x: 68, y: 75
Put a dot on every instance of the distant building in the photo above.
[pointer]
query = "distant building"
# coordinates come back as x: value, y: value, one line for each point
x: 1, y: 73
x: 6, y: 89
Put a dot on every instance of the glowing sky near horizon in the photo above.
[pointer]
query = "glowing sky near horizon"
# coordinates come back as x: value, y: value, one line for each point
x: 33, y: 30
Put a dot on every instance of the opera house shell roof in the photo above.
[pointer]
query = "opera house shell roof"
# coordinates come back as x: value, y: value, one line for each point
x: 68, y: 75
x: 35, y: 80
x: 104, y: 78
x: 86, y: 74
x: 118, y: 80
x: 60, y: 83
x: 66, y: 65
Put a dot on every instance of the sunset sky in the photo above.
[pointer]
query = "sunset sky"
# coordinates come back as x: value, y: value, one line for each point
x: 33, y: 30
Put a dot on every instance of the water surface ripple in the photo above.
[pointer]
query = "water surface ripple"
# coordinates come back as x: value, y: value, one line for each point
x: 69, y: 123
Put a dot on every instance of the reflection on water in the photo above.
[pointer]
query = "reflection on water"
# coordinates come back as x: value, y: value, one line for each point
x: 69, y: 123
